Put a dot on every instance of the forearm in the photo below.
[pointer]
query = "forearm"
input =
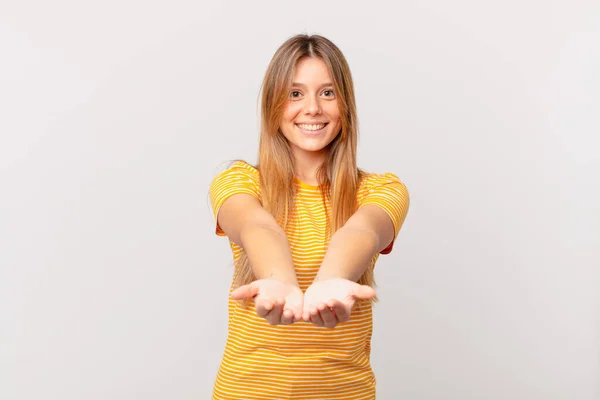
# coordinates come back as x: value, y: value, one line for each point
x: 268, y: 251
x: 349, y: 254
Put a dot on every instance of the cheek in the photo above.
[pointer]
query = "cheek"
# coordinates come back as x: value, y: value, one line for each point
x: 333, y: 111
x: 290, y: 113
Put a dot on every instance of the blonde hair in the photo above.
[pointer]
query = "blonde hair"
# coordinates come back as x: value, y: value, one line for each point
x: 338, y: 176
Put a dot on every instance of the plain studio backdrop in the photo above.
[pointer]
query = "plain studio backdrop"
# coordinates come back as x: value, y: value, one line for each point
x: 116, y: 115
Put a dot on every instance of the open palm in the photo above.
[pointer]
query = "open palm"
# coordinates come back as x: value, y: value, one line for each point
x: 278, y: 302
x: 330, y: 302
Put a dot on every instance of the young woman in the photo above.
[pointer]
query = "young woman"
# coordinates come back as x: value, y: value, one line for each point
x: 306, y: 227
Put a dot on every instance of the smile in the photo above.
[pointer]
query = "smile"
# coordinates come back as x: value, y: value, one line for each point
x: 311, y: 128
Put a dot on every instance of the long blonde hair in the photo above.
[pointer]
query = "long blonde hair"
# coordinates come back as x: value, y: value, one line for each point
x: 339, y: 176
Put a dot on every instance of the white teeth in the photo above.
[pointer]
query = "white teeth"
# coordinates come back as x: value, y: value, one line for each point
x: 311, y: 127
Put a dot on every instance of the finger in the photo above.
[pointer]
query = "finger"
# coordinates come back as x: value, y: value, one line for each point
x: 274, y: 316
x: 295, y: 307
x: 363, y: 292
x: 339, y: 310
x: 287, y: 317
x: 264, y: 307
x: 297, y: 313
x: 306, y: 315
x: 245, y: 292
x: 329, y: 320
x: 298, y: 309
x: 306, y: 312
x: 315, y: 317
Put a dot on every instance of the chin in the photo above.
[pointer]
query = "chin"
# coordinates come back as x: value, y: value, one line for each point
x: 309, y: 145
x: 312, y: 149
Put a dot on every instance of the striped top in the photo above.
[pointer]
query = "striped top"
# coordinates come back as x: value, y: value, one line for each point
x: 301, y: 360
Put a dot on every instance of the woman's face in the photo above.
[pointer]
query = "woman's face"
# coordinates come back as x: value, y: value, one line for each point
x: 311, y: 119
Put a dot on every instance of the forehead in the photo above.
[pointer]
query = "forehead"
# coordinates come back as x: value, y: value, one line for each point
x: 311, y: 71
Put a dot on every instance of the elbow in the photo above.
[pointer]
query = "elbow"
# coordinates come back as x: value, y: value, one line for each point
x: 365, y: 237
x: 253, y: 228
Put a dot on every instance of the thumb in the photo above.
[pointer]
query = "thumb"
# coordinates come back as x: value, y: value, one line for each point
x: 245, y: 292
x: 363, y: 292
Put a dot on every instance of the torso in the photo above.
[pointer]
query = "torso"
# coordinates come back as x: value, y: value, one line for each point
x: 300, y: 360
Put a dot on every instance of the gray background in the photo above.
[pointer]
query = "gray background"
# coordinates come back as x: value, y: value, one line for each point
x: 115, y: 116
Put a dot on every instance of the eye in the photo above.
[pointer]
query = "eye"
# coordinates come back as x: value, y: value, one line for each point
x: 293, y: 92
x: 330, y: 91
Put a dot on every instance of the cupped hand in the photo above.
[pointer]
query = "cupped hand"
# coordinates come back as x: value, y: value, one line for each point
x: 330, y: 302
x: 278, y: 302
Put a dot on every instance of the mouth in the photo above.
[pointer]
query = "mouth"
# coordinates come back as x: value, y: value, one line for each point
x: 312, y: 129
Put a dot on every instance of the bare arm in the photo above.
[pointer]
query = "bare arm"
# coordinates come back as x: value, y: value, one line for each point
x: 250, y: 226
x: 351, y: 248
x: 331, y: 297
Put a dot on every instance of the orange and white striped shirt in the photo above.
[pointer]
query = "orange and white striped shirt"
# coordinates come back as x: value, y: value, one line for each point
x: 301, y: 360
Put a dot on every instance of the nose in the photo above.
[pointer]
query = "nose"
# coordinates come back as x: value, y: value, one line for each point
x: 312, y: 106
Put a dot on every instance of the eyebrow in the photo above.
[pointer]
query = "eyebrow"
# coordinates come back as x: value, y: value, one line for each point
x: 303, y: 85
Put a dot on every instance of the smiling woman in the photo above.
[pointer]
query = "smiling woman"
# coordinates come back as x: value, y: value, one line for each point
x: 312, y: 118
x: 306, y: 227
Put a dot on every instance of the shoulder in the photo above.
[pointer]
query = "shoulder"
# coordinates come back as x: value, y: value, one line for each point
x: 238, y: 177
x: 371, y: 181
x: 235, y: 171
x: 382, y: 187
x: 240, y: 167
x: 388, y: 192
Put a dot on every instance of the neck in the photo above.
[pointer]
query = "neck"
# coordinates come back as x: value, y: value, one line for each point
x: 307, y: 164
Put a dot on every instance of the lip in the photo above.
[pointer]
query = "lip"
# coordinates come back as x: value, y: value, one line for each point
x: 307, y: 132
